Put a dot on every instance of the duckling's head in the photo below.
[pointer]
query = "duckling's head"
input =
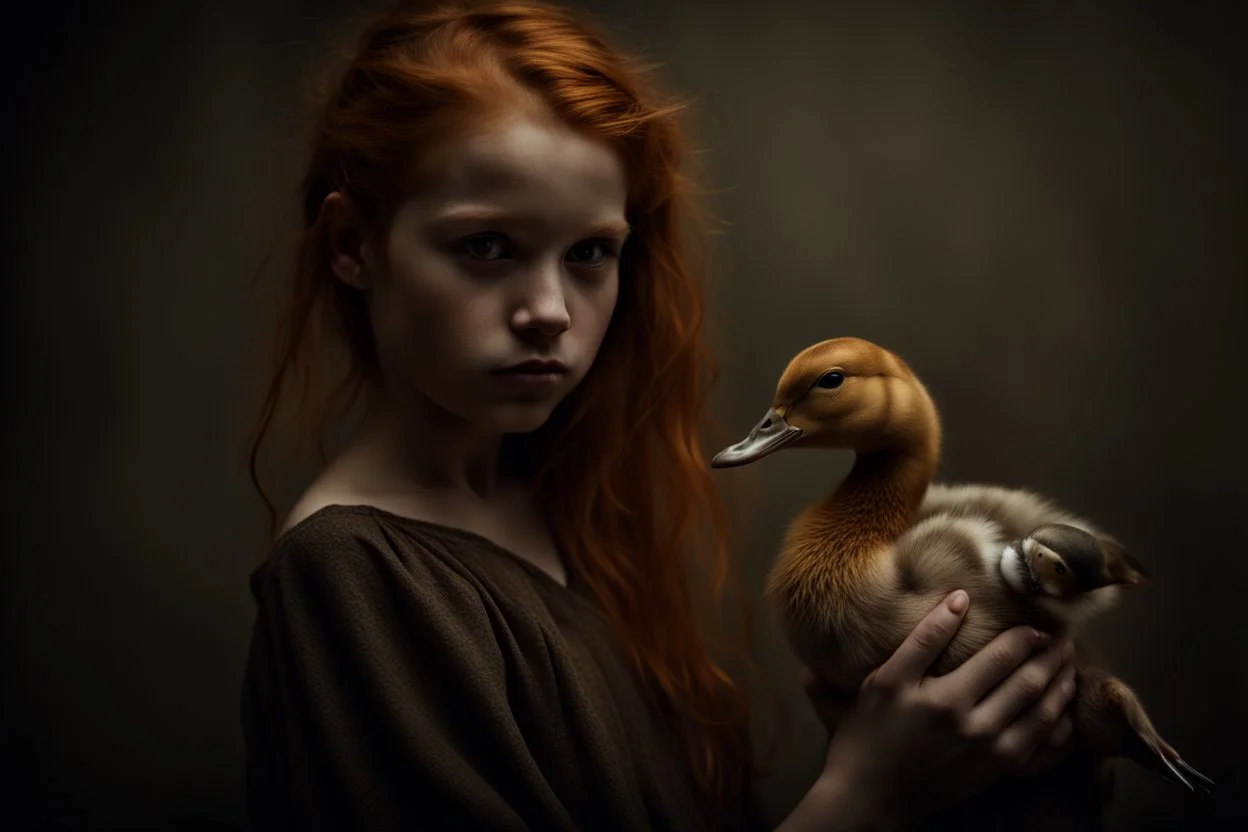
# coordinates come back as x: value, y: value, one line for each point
x: 842, y: 393
x: 1065, y: 563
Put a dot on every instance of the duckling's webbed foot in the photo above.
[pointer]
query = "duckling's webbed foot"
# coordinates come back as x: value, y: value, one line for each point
x: 1112, y: 721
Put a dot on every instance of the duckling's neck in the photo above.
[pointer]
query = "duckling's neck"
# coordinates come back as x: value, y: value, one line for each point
x: 878, y: 500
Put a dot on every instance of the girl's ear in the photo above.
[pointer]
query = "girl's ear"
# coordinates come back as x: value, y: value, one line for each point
x: 349, y: 250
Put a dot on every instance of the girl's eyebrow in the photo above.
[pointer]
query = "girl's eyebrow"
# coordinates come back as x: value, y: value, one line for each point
x: 611, y: 228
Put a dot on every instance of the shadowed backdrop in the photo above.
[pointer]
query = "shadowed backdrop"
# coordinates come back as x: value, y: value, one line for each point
x: 1040, y: 206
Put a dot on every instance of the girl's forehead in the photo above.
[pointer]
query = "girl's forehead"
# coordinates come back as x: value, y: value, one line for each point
x: 521, y: 152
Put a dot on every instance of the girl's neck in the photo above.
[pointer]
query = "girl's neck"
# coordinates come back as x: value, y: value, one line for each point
x: 408, y: 441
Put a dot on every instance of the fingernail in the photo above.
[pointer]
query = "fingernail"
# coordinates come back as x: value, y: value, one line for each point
x: 1068, y: 683
x: 1040, y: 637
x: 958, y: 601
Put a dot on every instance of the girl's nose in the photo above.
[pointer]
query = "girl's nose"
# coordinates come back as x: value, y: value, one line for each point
x: 543, y: 308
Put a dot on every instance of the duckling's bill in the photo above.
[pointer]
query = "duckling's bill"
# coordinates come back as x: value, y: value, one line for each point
x: 769, y: 435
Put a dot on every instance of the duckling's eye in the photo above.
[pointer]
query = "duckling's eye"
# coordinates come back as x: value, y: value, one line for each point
x: 1059, y: 568
x: 831, y: 380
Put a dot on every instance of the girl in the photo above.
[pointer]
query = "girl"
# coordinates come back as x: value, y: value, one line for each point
x: 477, y: 615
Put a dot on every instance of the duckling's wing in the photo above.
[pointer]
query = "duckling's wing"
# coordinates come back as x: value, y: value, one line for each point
x: 1016, y: 510
x: 941, y: 552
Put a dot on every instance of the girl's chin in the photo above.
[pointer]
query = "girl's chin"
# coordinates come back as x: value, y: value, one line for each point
x: 518, y: 418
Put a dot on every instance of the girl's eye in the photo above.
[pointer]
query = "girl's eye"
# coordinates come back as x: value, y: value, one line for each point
x: 485, y: 247
x: 592, y: 253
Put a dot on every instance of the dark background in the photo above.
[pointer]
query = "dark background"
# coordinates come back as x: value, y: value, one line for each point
x: 1041, y: 206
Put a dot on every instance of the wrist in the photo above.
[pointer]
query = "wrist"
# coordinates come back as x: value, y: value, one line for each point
x: 836, y: 804
x: 857, y: 802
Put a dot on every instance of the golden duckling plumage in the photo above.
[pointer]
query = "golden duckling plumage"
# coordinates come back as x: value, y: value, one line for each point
x: 858, y: 569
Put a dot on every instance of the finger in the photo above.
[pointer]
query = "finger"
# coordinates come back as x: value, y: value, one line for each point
x: 930, y: 636
x: 1021, y: 739
x: 985, y: 670
x: 1035, y: 688
x: 1062, y: 733
x: 1056, y: 748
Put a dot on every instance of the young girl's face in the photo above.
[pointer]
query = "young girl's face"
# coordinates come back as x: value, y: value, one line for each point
x: 508, y: 254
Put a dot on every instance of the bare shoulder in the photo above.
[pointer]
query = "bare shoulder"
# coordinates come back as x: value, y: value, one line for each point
x: 333, y: 486
x: 343, y: 576
x: 316, y: 498
x: 349, y: 480
x: 513, y: 522
x: 343, y: 546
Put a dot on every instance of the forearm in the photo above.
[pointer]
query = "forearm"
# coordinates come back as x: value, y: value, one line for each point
x: 832, y: 805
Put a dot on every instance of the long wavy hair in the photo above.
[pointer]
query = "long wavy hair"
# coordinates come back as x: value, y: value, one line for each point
x: 619, y: 465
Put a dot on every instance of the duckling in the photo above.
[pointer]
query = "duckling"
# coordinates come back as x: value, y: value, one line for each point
x: 1063, y: 566
x: 858, y: 569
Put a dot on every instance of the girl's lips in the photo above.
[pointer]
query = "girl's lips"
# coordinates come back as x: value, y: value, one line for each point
x: 533, y: 373
x: 535, y: 365
x: 531, y: 379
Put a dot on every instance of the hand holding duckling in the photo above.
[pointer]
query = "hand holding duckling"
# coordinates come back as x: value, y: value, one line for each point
x: 909, y: 745
x: 861, y: 567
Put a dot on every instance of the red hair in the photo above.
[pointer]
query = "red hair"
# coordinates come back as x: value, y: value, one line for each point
x: 619, y: 464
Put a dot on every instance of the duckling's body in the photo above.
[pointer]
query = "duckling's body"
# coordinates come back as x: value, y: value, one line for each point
x: 965, y: 536
x: 860, y: 568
